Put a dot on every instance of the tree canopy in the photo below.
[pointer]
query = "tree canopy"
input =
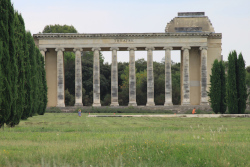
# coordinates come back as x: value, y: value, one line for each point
x: 59, y: 29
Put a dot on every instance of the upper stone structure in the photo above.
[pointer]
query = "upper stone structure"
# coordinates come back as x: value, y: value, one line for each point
x: 190, y: 22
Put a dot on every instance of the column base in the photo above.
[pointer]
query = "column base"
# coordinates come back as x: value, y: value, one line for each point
x: 60, y: 105
x: 168, y: 104
x: 132, y: 104
x: 204, y: 103
x: 115, y: 104
x: 150, y: 104
x: 185, y: 104
x: 78, y: 105
x: 96, y: 105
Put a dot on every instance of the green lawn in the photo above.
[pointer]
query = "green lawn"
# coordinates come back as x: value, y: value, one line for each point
x: 64, y: 139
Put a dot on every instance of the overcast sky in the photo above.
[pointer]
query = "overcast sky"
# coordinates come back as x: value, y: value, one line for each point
x: 229, y: 17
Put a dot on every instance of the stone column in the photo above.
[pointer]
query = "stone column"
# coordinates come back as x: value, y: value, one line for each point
x: 150, y: 77
x: 78, y: 77
x: 96, y: 78
x: 185, y: 77
x: 114, y: 78
x: 132, y: 77
x: 204, y: 100
x: 60, y: 78
x: 168, y: 80
x: 43, y: 50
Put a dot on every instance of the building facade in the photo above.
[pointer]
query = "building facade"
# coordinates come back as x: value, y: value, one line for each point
x: 191, y: 32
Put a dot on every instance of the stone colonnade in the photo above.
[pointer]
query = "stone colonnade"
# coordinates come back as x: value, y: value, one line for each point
x: 132, y: 77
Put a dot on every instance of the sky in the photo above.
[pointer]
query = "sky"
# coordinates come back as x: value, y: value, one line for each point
x: 229, y: 17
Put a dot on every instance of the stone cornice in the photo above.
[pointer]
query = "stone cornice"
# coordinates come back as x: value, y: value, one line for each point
x: 122, y: 35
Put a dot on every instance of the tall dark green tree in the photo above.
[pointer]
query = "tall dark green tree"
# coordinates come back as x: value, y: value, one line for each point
x: 241, y: 85
x: 215, y: 87
x: 6, y: 66
x: 20, y: 53
x: 223, y: 103
x: 44, y: 87
x: 31, y: 51
x: 14, y: 68
x: 1, y: 75
x: 232, y: 97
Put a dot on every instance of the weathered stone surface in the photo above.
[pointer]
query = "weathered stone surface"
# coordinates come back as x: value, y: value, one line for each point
x: 186, y: 79
x: 43, y: 50
x: 132, y: 77
x: 168, y: 79
x: 78, y: 77
x: 96, y: 78
x: 150, y: 77
x: 204, y: 98
x: 191, y: 14
x: 188, y: 29
x: 114, y: 78
x: 60, y: 78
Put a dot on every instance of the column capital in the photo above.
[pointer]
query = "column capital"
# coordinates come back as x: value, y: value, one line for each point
x: 43, y: 49
x: 150, y: 48
x: 168, y: 48
x: 60, y: 49
x: 132, y: 49
x: 114, y: 48
x: 186, y: 47
x: 203, y: 48
x: 93, y: 49
x: 77, y: 49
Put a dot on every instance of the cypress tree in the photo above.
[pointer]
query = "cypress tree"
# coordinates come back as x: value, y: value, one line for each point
x: 6, y: 68
x: 215, y: 87
x: 223, y: 103
x: 35, y: 83
x: 39, y: 82
x: 30, y: 94
x: 14, y: 69
x: 19, y: 29
x: 1, y: 76
x: 232, y: 100
x: 45, y: 88
x: 241, y: 85
x: 27, y: 83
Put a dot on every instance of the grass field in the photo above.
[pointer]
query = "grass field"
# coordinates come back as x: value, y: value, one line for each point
x: 64, y: 139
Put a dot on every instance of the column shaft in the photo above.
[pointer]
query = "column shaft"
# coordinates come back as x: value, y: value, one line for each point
x: 43, y: 50
x: 96, y: 78
x: 204, y: 100
x: 185, y: 77
x: 168, y: 80
x: 132, y: 78
x: 114, y: 78
x: 78, y: 77
x: 60, y: 78
x: 150, y: 77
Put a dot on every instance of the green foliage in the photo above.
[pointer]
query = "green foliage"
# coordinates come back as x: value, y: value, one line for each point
x: 14, y: 68
x: 241, y: 85
x: 1, y: 75
x: 44, y: 87
x: 223, y: 102
x: 59, y: 29
x: 31, y: 50
x: 6, y: 66
x: 176, y: 87
x: 232, y: 96
x: 69, y: 99
x: 215, y: 87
